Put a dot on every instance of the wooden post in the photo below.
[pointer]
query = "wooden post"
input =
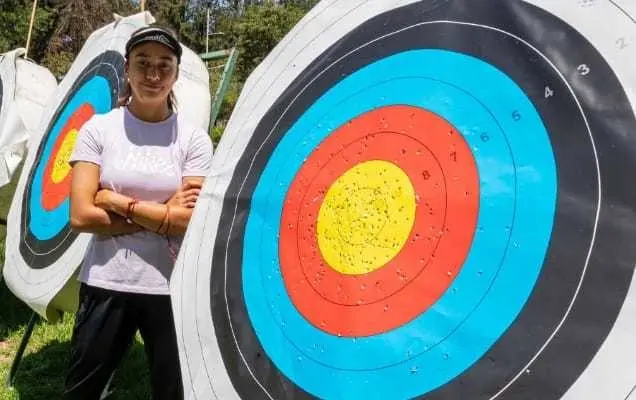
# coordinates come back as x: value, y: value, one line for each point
x: 143, y: 5
x: 35, y: 5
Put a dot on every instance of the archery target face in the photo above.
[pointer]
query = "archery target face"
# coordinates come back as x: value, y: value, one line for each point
x: 426, y: 210
x: 45, y: 238
x: 45, y: 206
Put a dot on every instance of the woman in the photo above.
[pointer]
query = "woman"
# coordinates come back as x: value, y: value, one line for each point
x: 137, y: 171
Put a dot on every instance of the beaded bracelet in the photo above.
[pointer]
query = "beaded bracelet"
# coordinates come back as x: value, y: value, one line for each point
x: 130, y: 210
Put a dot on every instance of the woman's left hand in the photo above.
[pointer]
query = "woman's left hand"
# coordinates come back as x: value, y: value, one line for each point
x: 103, y: 199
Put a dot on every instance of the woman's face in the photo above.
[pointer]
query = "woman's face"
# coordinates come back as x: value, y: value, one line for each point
x: 152, y: 71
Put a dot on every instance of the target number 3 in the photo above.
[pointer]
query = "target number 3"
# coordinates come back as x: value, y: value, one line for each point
x: 583, y: 69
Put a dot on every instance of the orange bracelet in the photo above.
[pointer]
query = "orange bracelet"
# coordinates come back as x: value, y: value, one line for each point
x: 166, y: 218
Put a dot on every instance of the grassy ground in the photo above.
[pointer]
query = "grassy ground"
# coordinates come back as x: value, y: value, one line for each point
x: 41, y: 373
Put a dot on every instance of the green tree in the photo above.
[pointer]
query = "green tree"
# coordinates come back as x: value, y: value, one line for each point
x: 74, y: 21
x: 15, y: 16
x: 257, y: 31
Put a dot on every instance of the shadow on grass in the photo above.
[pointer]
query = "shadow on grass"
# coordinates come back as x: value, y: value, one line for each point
x: 14, y: 314
x: 41, y: 375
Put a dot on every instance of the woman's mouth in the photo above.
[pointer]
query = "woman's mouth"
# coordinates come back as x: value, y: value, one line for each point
x: 151, y: 88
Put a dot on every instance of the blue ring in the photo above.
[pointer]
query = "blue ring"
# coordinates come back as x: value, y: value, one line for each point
x: 360, y: 368
x: 44, y: 224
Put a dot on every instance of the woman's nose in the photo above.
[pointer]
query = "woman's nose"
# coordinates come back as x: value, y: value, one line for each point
x: 152, y: 74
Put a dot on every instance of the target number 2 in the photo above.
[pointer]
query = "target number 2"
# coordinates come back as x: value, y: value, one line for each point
x: 622, y: 43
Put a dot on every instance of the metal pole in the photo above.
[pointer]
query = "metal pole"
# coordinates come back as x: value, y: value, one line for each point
x: 207, y: 32
x: 223, y: 86
x: 23, y: 344
x: 35, y: 5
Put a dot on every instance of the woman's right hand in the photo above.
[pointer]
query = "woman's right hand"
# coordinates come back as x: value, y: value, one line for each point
x: 187, y: 195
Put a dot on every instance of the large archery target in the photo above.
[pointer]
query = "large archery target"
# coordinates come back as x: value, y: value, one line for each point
x: 543, y: 111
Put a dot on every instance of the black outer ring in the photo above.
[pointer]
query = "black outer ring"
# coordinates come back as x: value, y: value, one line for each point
x: 40, y: 254
x: 610, y: 269
x: 1, y: 91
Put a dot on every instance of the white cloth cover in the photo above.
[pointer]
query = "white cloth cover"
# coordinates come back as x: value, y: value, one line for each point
x: 26, y: 88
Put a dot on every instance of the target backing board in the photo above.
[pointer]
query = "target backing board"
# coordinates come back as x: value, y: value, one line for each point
x: 422, y: 199
x: 42, y: 252
x: 25, y: 88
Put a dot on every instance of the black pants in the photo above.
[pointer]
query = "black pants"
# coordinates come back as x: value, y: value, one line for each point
x: 105, y: 326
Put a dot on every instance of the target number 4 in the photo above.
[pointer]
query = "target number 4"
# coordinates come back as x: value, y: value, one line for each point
x: 548, y: 92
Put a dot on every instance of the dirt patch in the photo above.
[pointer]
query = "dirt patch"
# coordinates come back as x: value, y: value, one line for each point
x: 4, y: 351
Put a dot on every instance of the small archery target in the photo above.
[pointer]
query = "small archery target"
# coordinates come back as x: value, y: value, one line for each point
x: 41, y: 247
x: 45, y: 206
x: 419, y: 213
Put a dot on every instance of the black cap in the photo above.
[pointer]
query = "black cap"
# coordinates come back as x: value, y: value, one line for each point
x: 157, y: 35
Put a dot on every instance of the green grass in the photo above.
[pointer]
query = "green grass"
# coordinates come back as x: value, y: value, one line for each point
x: 43, y: 367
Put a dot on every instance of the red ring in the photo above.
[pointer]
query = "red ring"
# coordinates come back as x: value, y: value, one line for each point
x: 428, y: 181
x: 441, y: 168
x: 54, y: 194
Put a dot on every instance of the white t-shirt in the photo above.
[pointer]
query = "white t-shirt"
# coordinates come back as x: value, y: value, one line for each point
x: 146, y: 161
